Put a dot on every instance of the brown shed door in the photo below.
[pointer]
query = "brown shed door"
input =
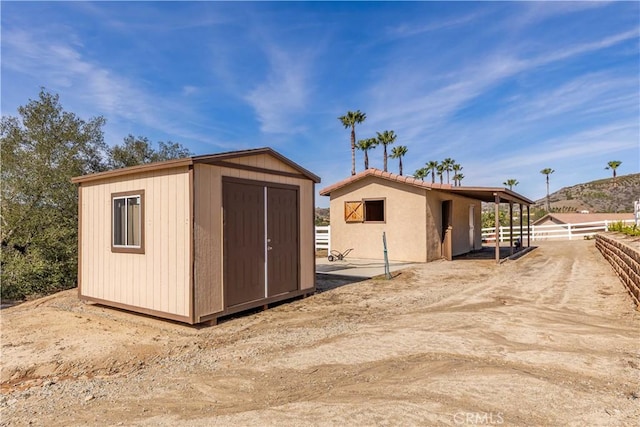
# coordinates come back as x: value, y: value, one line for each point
x: 259, y: 246
x: 244, y: 241
x: 282, y: 240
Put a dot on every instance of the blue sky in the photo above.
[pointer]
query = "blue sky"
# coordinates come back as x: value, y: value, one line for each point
x: 504, y: 88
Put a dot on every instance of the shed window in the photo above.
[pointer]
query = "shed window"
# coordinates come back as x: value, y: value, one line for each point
x: 374, y: 211
x: 128, y: 222
x: 365, y: 211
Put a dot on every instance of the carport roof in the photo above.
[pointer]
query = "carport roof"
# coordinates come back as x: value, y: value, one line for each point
x: 485, y: 194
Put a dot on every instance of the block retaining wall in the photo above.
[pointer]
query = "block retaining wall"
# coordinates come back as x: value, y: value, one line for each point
x: 623, y: 252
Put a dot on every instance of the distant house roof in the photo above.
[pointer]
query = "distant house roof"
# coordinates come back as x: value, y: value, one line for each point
x: 485, y: 194
x: 577, y: 218
x: 213, y: 159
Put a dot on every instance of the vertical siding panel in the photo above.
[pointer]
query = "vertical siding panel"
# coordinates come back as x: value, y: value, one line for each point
x: 188, y: 253
x: 95, y: 246
x: 208, y: 202
x: 182, y: 248
x: 189, y: 240
x: 88, y: 241
x: 173, y: 241
x: 306, y: 235
x: 101, y: 264
x: 153, y: 237
x: 158, y: 241
x: 139, y: 271
x: 87, y: 238
x: 109, y: 270
x: 217, y: 219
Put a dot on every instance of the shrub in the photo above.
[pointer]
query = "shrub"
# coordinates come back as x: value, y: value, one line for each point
x: 630, y: 230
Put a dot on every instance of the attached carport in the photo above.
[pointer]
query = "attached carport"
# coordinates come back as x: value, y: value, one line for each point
x: 498, y: 196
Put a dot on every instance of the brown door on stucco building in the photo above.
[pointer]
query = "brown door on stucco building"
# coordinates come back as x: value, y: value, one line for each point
x: 261, y: 244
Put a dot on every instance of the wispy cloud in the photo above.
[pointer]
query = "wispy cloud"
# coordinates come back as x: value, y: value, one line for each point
x: 409, y: 30
x: 415, y: 107
x: 535, y: 12
x: 102, y: 91
x: 279, y: 99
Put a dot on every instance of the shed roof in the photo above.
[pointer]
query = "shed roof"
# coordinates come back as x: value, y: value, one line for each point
x: 206, y: 159
x: 485, y: 194
x: 577, y: 218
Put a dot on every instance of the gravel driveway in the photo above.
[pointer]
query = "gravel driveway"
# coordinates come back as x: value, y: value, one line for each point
x: 549, y: 339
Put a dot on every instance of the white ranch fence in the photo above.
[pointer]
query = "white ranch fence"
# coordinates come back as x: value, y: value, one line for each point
x: 323, y: 237
x: 553, y: 231
x: 538, y: 232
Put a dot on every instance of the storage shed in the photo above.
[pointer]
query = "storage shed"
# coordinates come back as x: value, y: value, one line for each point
x: 422, y: 221
x: 198, y: 238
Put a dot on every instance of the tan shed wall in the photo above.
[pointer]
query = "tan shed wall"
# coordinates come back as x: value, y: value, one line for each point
x: 405, y: 224
x: 208, y: 226
x: 264, y: 161
x: 157, y: 280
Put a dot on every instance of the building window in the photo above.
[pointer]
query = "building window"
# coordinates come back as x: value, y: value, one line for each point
x: 128, y: 222
x: 365, y: 211
x: 374, y: 211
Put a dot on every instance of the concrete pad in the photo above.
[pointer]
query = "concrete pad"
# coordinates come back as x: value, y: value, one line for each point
x: 363, y: 268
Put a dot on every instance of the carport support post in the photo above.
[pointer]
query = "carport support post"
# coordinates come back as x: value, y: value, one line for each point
x: 528, y: 228
x: 521, y: 233
x: 510, y: 228
x: 497, y: 219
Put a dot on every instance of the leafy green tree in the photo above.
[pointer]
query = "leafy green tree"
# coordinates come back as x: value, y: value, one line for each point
x: 350, y: 120
x: 385, y: 138
x: 420, y: 173
x: 510, y: 183
x: 42, y: 150
x: 613, y: 165
x: 547, y: 172
x: 398, y: 152
x: 432, y: 166
x: 489, y: 219
x: 366, y: 145
x: 137, y: 151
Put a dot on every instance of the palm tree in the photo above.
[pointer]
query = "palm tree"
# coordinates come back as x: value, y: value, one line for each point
x: 456, y: 169
x: 613, y: 165
x: 547, y: 172
x: 440, y: 171
x: 457, y: 178
x: 385, y: 138
x: 448, y: 166
x: 366, y: 145
x: 398, y: 152
x: 420, y: 173
x: 432, y: 166
x: 510, y: 183
x: 350, y: 120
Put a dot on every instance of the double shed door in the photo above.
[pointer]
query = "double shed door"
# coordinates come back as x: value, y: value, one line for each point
x: 261, y: 242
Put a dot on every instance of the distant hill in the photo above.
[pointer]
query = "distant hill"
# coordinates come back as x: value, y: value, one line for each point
x: 596, y: 196
x: 322, y: 216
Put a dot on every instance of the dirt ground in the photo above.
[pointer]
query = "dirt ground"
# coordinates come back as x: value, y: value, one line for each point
x: 549, y: 339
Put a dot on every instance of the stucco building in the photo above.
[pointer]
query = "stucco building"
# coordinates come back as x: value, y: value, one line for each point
x: 422, y: 221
